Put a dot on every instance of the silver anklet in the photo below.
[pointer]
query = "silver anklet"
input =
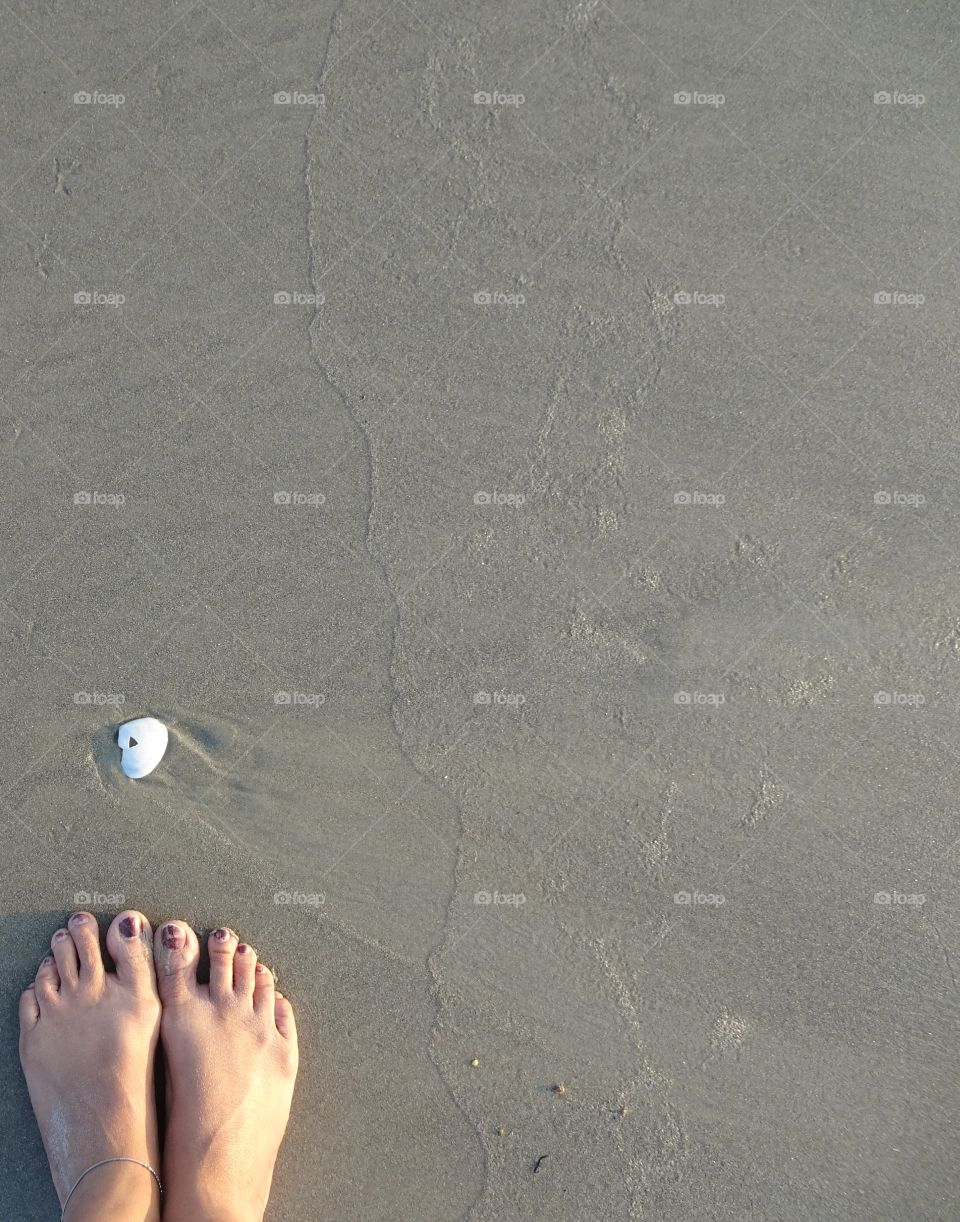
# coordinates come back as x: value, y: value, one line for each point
x: 103, y: 1163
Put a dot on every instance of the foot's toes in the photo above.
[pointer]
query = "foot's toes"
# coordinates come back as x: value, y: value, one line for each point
x: 263, y: 988
x: 130, y: 941
x: 283, y: 1015
x: 175, y: 952
x: 244, y: 970
x: 29, y: 1008
x: 221, y: 944
x: 65, y: 953
x: 86, y: 939
x: 47, y: 982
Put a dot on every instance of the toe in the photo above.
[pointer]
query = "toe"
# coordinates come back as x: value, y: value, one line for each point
x: 86, y: 939
x: 244, y: 970
x: 130, y: 942
x: 283, y: 1016
x: 221, y: 944
x: 263, y: 989
x: 29, y: 1008
x: 176, y: 952
x: 47, y: 983
x: 65, y: 953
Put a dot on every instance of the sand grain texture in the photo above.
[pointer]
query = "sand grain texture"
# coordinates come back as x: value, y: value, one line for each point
x: 562, y: 713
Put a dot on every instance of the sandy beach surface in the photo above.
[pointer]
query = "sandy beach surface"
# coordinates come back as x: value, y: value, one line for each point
x: 514, y: 449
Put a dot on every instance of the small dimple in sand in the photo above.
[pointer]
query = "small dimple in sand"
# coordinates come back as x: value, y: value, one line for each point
x: 607, y: 522
x: 582, y: 14
x: 726, y: 1036
x: 754, y: 551
x: 768, y: 798
x: 582, y: 628
x: 661, y: 303
x: 948, y: 639
x: 655, y: 853
x: 645, y: 578
x: 810, y: 691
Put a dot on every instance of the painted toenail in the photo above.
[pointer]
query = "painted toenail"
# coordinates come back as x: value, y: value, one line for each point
x: 172, y: 937
x: 260, y: 969
x: 60, y: 935
x: 221, y: 934
x: 243, y: 948
x: 78, y: 918
x: 130, y: 926
x: 46, y: 961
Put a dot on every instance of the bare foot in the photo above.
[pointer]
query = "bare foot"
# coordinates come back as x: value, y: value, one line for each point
x: 231, y: 1057
x: 87, y: 1044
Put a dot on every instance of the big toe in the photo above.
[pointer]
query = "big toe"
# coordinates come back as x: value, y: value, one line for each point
x: 130, y: 942
x: 176, y: 953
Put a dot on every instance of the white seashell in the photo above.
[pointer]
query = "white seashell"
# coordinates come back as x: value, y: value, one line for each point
x: 142, y: 742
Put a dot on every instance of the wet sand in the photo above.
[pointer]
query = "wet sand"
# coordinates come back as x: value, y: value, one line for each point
x: 521, y: 472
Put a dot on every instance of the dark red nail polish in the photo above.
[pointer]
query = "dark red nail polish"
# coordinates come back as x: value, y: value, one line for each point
x: 242, y: 948
x: 130, y: 926
x: 221, y: 934
x: 172, y: 937
x: 78, y: 918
